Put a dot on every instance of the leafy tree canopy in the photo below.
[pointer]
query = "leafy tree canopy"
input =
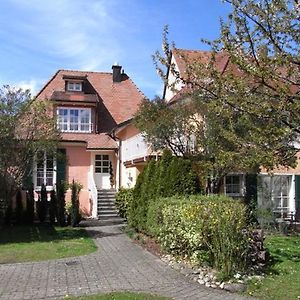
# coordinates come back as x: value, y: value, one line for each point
x: 245, y: 115
x: 26, y: 128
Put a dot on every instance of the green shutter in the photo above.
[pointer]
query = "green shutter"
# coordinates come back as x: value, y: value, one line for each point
x: 251, y: 188
x: 297, y: 196
x: 28, y: 176
x: 61, y: 165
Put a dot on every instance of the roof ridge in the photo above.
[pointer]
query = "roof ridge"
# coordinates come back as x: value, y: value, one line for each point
x: 192, y: 50
x: 79, y: 71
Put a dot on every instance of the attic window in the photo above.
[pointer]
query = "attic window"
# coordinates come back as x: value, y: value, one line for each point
x: 74, y: 86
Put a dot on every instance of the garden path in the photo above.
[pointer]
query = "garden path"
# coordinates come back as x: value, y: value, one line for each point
x: 118, y: 265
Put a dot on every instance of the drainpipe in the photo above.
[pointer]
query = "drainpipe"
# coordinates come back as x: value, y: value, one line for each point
x: 113, y: 136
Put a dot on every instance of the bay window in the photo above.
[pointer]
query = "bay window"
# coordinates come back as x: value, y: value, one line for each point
x: 74, y: 119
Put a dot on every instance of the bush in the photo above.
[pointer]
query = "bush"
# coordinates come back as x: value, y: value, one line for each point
x: 19, y: 207
x: 204, y: 229
x: 42, y: 204
x: 30, y: 205
x: 167, y: 177
x: 123, y: 200
x: 52, y: 207
x: 61, y: 188
x: 75, y: 210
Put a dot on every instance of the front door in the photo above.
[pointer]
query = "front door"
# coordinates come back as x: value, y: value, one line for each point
x: 101, y: 167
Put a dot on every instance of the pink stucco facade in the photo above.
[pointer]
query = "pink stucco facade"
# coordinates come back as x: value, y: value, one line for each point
x: 77, y: 169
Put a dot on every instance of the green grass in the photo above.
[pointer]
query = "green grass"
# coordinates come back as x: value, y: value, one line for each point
x: 283, y: 275
x: 42, y: 242
x: 119, y: 296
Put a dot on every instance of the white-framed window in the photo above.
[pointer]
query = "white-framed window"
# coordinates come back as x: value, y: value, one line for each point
x: 234, y: 185
x: 45, y: 165
x: 277, y: 193
x: 102, y: 163
x: 74, y: 86
x: 74, y: 119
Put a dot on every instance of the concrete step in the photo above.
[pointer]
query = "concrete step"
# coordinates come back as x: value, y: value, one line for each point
x: 110, y: 218
x: 107, y: 213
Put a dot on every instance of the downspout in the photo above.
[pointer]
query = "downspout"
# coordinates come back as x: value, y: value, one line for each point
x: 113, y: 136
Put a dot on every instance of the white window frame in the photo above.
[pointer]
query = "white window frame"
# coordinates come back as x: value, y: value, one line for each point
x: 68, y: 123
x: 241, y: 186
x: 102, y: 162
x: 35, y: 177
x: 74, y: 86
x: 281, y: 210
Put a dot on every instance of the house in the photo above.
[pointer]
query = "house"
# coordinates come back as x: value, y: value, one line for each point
x: 88, y: 105
x: 279, y: 191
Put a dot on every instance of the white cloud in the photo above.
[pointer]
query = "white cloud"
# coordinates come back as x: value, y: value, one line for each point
x: 79, y: 32
x: 33, y: 85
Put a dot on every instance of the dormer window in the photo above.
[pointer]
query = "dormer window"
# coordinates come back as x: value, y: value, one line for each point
x: 74, y: 86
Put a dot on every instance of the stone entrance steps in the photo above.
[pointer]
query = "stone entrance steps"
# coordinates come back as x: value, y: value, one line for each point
x: 107, y: 212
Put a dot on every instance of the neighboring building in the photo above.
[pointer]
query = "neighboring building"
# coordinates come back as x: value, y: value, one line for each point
x: 279, y: 190
x: 88, y: 105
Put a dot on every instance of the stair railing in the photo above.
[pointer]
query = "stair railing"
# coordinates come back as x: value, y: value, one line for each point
x: 93, y: 193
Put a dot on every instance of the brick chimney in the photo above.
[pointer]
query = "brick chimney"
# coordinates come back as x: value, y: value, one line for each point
x: 117, y: 76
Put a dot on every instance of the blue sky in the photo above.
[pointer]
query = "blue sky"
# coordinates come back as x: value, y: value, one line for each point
x: 39, y: 37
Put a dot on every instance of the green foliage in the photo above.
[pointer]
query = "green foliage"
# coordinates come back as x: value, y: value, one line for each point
x: 75, y: 208
x: 26, y: 127
x: 30, y: 205
x: 42, y: 204
x: 61, y: 188
x: 204, y: 229
x: 123, y: 201
x: 52, y: 207
x: 19, y: 207
x: 169, y: 176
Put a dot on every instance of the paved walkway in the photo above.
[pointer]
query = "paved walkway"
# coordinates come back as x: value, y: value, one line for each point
x: 118, y: 265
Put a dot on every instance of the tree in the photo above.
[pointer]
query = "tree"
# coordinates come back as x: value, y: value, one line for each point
x: 242, y: 116
x: 26, y: 128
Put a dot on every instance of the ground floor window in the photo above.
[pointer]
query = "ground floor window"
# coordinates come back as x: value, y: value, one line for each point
x: 234, y: 185
x: 277, y: 193
x: 44, y: 170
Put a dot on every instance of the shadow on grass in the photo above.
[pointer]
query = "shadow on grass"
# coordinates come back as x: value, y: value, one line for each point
x: 39, y: 233
x: 282, y: 249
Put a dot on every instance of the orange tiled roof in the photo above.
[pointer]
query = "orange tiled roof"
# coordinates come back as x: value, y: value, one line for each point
x: 121, y: 99
x: 118, y: 102
x: 92, y: 140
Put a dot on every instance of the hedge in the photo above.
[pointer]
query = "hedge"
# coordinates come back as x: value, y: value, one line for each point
x: 167, y: 177
x: 209, y: 230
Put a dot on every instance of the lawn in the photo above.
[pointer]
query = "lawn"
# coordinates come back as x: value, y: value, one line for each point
x: 119, y: 296
x: 283, y: 275
x: 42, y: 242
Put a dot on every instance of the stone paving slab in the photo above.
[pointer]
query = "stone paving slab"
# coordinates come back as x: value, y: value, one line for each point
x: 118, y: 265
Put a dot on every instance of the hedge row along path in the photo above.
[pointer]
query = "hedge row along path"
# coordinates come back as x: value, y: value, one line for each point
x: 118, y: 265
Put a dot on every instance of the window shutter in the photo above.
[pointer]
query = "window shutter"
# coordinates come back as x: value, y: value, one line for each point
x: 61, y: 165
x: 251, y: 188
x: 297, y: 196
x: 28, y: 178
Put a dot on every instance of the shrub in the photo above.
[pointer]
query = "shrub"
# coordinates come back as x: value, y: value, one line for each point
x: 61, y: 188
x: 205, y: 229
x: 75, y: 211
x: 30, y: 205
x: 142, y: 194
x: 167, y: 177
x: 19, y: 207
x: 42, y: 204
x: 52, y: 207
x: 123, y: 200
